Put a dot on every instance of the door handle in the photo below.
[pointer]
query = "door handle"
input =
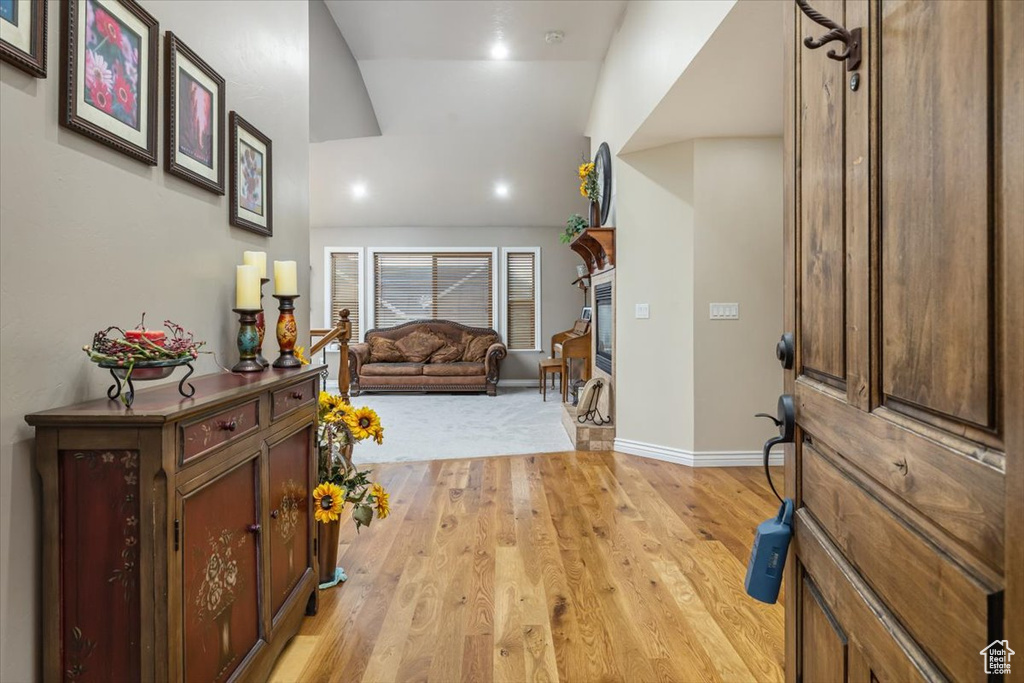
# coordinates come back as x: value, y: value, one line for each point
x: 785, y: 351
x: 786, y: 422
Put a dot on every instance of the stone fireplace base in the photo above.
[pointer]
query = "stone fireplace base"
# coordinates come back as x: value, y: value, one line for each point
x: 587, y: 436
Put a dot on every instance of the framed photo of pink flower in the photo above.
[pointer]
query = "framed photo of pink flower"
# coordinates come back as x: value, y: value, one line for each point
x: 251, y: 178
x: 109, y: 56
x: 23, y: 35
x: 193, y: 116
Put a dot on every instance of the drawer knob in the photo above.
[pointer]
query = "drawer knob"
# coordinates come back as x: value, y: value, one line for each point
x: 274, y: 514
x: 253, y: 528
x: 297, y: 395
x: 229, y: 425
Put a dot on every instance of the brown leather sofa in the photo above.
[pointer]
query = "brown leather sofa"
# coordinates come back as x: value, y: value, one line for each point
x: 427, y: 355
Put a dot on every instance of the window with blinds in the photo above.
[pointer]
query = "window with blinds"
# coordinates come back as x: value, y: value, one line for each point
x: 345, y: 288
x: 456, y: 286
x: 521, y: 299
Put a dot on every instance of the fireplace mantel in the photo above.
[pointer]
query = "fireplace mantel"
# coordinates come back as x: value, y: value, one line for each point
x: 597, y: 248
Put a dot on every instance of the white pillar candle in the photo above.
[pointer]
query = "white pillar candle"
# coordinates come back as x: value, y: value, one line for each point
x: 286, y: 281
x: 247, y: 287
x: 258, y: 259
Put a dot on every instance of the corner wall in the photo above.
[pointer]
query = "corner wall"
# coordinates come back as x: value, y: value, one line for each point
x: 89, y: 238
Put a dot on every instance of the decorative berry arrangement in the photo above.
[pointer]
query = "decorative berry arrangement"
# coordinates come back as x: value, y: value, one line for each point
x: 140, y: 345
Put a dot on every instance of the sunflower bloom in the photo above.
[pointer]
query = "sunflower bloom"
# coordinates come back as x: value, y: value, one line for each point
x: 328, y: 499
x: 380, y: 501
x: 300, y: 353
x: 363, y: 422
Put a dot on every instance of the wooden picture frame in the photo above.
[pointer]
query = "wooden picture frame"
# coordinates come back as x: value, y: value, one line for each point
x: 252, y: 174
x: 194, y: 107
x: 23, y: 35
x: 115, y: 44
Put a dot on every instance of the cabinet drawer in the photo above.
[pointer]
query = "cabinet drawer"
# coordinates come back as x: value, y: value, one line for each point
x: 923, y: 586
x: 284, y: 401
x: 209, y: 433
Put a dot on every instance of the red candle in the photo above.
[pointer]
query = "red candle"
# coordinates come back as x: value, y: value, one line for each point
x: 135, y: 336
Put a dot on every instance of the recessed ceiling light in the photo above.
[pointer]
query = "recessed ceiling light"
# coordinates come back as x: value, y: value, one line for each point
x: 358, y: 190
x: 499, y: 51
x: 501, y: 190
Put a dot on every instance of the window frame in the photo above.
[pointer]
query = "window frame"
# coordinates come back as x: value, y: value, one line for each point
x: 329, y: 287
x: 371, y: 254
x: 505, y: 251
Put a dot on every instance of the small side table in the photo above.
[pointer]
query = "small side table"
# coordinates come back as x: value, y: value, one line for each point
x: 551, y: 366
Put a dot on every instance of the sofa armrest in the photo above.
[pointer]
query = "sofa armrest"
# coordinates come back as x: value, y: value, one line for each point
x: 492, y: 364
x: 358, y: 354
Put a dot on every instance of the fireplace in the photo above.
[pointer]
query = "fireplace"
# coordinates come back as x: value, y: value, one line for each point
x: 603, y: 325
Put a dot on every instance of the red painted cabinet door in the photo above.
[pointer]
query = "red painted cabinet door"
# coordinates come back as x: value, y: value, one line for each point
x: 220, y: 560
x: 290, y: 505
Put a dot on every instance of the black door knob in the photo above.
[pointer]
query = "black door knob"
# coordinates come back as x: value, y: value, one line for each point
x: 785, y: 351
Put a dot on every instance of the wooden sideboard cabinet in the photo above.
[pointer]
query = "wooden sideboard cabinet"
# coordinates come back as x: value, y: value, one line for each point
x: 178, y: 535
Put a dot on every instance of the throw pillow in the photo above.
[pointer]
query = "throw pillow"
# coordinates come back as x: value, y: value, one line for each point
x: 418, y: 345
x: 477, y: 345
x: 384, y: 350
x: 449, y: 353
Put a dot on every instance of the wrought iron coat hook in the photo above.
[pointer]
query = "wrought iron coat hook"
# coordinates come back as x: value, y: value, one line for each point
x: 851, y: 39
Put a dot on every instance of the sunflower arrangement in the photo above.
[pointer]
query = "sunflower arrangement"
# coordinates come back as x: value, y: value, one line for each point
x: 588, y: 181
x: 341, y: 427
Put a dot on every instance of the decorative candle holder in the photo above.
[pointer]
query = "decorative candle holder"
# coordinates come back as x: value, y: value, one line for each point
x: 261, y: 327
x: 287, y: 331
x: 248, y: 341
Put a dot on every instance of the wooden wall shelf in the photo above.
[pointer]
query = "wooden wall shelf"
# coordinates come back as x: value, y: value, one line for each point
x: 597, y: 248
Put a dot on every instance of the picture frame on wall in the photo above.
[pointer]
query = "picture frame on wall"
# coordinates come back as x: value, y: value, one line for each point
x: 194, y: 115
x: 23, y: 35
x: 252, y: 174
x: 109, y: 76
x: 587, y: 313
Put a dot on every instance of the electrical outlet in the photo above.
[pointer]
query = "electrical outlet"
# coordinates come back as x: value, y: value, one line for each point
x: 724, y: 311
x: 643, y: 311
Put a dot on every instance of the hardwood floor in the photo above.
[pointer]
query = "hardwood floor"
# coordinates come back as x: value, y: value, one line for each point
x: 567, y: 566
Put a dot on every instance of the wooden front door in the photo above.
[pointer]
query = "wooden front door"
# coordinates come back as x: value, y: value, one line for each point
x: 904, y: 287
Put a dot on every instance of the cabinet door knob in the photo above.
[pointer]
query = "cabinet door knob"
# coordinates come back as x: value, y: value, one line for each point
x: 229, y: 425
x: 297, y: 395
x: 274, y: 514
x: 253, y: 528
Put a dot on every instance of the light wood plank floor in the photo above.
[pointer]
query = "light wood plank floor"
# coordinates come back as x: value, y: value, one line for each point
x: 556, y: 567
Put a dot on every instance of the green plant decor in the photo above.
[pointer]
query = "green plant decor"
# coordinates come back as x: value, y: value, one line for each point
x: 574, y: 226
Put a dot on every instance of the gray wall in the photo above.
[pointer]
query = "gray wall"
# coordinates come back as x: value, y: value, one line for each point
x: 339, y: 106
x: 89, y: 238
x: 560, y: 301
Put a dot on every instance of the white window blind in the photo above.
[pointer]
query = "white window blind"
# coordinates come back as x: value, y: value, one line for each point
x: 345, y: 289
x: 521, y: 299
x: 456, y: 286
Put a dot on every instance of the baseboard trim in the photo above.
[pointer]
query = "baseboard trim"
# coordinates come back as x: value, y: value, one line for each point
x: 695, y: 458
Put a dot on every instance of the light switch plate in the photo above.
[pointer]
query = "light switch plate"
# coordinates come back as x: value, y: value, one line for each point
x: 724, y: 311
x: 643, y: 311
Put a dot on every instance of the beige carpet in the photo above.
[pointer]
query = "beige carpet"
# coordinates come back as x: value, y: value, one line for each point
x: 443, y: 426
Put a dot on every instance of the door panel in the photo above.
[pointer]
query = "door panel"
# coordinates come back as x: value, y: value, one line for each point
x: 220, y: 574
x: 825, y: 661
x: 288, y: 538
x: 904, y: 232
x: 936, y: 223
x: 822, y: 237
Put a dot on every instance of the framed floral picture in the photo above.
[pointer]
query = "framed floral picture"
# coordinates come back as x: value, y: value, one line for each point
x: 23, y: 35
x: 194, y: 117
x: 251, y: 178
x: 109, y: 56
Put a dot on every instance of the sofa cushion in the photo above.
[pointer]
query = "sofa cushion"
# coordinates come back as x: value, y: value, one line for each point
x: 391, y: 369
x: 476, y: 346
x: 384, y: 350
x: 458, y: 369
x: 449, y: 353
x: 419, y: 344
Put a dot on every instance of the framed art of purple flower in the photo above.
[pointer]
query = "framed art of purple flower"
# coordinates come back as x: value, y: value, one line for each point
x: 251, y: 178
x: 194, y: 117
x: 109, y: 55
x: 23, y: 35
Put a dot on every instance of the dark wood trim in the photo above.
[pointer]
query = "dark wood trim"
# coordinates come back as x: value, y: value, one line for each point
x: 237, y: 122
x: 68, y: 116
x: 34, y: 61
x: 597, y: 248
x: 173, y: 46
